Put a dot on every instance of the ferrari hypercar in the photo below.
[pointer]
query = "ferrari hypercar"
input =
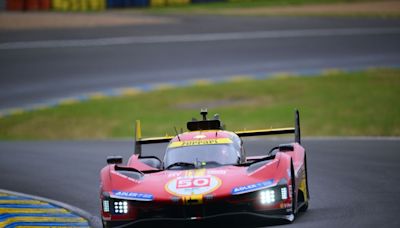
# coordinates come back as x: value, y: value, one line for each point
x: 205, y: 174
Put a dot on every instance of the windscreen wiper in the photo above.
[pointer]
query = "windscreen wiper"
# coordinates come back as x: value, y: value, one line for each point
x: 183, y: 164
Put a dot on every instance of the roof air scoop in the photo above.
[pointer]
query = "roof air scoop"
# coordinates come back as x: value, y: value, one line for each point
x: 204, y: 113
x: 204, y: 124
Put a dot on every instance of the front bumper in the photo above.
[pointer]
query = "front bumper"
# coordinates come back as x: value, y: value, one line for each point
x: 239, y: 219
x: 225, y: 211
x: 252, y: 205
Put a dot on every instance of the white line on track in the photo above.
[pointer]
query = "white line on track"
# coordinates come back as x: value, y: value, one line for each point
x: 205, y: 37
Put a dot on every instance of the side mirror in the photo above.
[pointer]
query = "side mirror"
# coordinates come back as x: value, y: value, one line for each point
x: 286, y: 147
x: 151, y: 161
x: 114, y: 160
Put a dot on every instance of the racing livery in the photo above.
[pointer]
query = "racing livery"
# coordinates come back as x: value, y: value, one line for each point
x: 205, y: 174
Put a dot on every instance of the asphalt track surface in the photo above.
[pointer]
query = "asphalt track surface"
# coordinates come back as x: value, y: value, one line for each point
x: 353, y: 182
x: 41, y: 65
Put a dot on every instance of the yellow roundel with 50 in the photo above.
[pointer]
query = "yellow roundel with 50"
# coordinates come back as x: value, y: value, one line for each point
x: 200, y: 142
x: 194, y: 185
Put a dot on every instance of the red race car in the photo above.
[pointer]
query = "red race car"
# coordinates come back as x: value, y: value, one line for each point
x: 205, y: 174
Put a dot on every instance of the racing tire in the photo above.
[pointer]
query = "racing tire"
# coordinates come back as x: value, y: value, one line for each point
x: 304, y: 207
x: 106, y: 224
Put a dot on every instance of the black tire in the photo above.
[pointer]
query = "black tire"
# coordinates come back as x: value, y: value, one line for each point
x: 106, y: 224
x: 307, y: 193
x: 306, y: 172
x: 304, y: 207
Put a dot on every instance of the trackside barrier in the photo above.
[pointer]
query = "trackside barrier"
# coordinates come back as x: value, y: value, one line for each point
x: 15, y: 5
x: 30, y: 5
x: 207, y: 1
x: 158, y: 3
x: 127, y: 3
x: 2, y: 5
x: 90, y: 5
x: 79, y: 5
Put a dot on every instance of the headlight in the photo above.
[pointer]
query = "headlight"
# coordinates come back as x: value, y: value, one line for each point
x: 106, y: 206
x: 120, y: 207
x: 272, y: 195
x: 284, y: 193
x: 267, y: 196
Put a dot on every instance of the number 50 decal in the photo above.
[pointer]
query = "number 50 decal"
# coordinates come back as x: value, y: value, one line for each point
x: 186, y: 186
x: 196, y: 182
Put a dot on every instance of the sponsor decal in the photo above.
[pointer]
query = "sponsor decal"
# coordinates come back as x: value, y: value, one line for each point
x: 252, y: 187
x: 193, y: 185
x: 200, y: 142
x: 174, y: 174
x: 216, y: 172
x: 131, y: 195
x: 199, y: 137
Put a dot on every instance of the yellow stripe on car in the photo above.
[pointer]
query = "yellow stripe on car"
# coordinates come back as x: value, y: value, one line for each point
x: 200, y: 172
x: 192, y: 199
x: 195, y: 173
x: 200, y: 142
x: 303, y: 188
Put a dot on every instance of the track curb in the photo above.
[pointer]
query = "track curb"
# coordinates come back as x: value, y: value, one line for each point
x: 92, y: 220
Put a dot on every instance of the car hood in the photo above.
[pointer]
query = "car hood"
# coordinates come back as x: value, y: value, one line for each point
x: 217, y: 182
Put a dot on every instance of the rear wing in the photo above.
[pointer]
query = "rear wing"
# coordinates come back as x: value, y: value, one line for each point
x: 276, y: 131
x: 139, y: 141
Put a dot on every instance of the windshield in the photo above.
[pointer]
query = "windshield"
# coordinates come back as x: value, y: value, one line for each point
x: 222, y: 154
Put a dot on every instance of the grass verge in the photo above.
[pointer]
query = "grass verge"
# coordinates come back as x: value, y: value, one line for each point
x: 336, y: 104
x: 258, y: 3
x: 348, y: 8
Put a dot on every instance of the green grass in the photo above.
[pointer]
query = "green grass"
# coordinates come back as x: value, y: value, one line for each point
x: 337, y: 104
x: 256, y: 3
x: 225, y: 7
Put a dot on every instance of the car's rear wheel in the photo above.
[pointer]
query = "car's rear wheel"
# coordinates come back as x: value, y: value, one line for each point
x: 304, y: 207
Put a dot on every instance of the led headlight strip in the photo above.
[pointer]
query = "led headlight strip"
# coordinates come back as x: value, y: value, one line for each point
x: 121, y: 207
x: 272, y: 195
